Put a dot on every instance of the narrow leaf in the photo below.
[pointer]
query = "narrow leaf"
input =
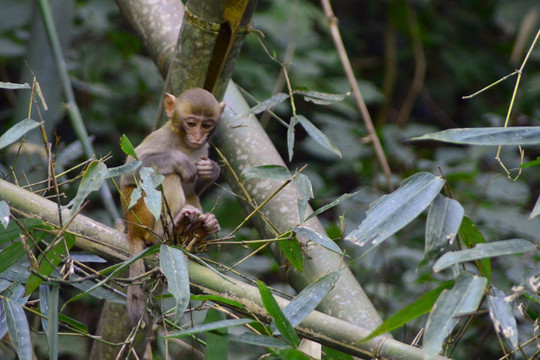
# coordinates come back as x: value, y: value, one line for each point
x: 309, y: 298
x: 14, y: 86
x: 336, y: 202
x: 73, y: 323
x: 150, y: 180
x: 259, y: 340
x: 266, y: 104
x: 19, y: 330
x: 442, y: 226
x: 280, y: 320
x: 392, y: 212
x: 17, y: 131
x: 464, y: 298
x: 322, y: 98
x: 502, y: 317
x: 319, y: 238
x: 334, y: 354
x: 218, y: 299
x: 422, y: 306
x: 486, y: 250
x: 48, y: 260
x: 52, y: 327
x: 4, y: 214
x: 11, y: 254
x: 268, y: 172
x: 208, y: 327
x: 127, y: 146
x: 91, y: 181
x: 291, y: 354
x: 536, y: 210
x: 306, y: 191
x: 217, y: 341
x: 13, y: 230
x: 470, y: 235
x: 173, y: 266
x: 123, y: 169
x: 517, y: 135
x: 293, y: 252
x: 317, y: 135
x: 290, y: 137
x: 44, y: 291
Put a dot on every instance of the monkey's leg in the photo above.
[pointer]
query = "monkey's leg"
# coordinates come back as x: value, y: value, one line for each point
x: 139, y: 220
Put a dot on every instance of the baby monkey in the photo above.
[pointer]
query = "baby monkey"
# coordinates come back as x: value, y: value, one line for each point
x: 179, y: 151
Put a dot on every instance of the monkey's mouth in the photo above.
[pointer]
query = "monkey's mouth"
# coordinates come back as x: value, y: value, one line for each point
x: 195, y: 144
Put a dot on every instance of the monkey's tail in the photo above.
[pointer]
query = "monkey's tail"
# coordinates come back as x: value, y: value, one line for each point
x: 136, y: 298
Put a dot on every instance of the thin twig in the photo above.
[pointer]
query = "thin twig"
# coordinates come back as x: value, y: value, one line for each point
x: 338, y: 42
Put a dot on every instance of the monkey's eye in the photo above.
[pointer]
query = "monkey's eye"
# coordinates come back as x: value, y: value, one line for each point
x: 207, y: 125
x: 191, y: 124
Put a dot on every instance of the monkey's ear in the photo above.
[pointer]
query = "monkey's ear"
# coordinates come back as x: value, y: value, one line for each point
x: 170, y: 101
x: 221, y: 108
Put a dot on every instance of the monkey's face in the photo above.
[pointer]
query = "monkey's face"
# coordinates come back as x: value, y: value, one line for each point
x: 198, y: 130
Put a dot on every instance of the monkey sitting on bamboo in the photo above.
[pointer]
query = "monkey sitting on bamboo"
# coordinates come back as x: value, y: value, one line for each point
x: 179, y: 151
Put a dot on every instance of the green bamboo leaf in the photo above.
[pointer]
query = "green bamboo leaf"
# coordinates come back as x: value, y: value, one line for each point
x: 290, y: 137
x: 48, y: 260
x: 464, y: 298
x: 322, y: 98
x: 292, y: 251
x: 319, y: 238
x: 19, y: 330
x: 173, y: 265
x: 4, y: 214
x: 422, y: 306
x: 470, y: 235
x: 267, y: 172
x: 13, y: 230
x: 123, y: 169
x: 310, y: 297
x: 480, y: 251
x: 392, y: 212
x: 44, y: 291
x: 99, y: 292
x: 333, y: 354
x: 73, y: 323
x: 217, y: 325
x: 518, y: 135
x: 217, y: 341
x: 536, y: 210
x: 266, y: 104
x: 92, y: 179
x: 317, y: 135
x: 127, y: 146
x: 11, y: 254
x: 291, y: 354
x: 52, y: 327
x: 306, y: 191
x: 502, y: 317
x: 442, y: 225
x: 150, y: 180
x: 280, y: 320
x: 336, y: 202
x: 14, y: 86
x: 17, y: 131
x: 218, y: 299
x: 259, y: 340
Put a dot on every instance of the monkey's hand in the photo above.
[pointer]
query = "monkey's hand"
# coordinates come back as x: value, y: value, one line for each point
x: 207, y: 169
x: 184, y: 167
x: 210, y: 224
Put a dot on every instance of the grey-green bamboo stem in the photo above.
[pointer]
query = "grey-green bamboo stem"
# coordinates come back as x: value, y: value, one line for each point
x: 72, y: 108
x: 113, y: 245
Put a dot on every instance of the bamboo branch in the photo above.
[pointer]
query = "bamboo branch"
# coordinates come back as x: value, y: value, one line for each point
x: 338, y: 42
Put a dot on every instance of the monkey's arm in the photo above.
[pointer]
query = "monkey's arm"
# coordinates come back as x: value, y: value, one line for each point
x: 207, y: 173
x: 166, y: 163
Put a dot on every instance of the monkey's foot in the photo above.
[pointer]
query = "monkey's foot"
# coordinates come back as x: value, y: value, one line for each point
x: 210, y: 224
x: 188, y: 220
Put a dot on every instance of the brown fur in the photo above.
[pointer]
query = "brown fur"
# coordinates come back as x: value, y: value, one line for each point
x: 179, y: 151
